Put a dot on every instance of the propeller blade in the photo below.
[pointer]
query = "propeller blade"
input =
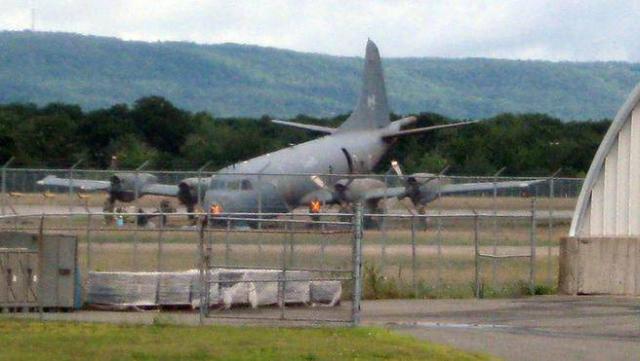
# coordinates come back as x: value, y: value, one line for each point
x: 396, y: 168
x: 318, y: 181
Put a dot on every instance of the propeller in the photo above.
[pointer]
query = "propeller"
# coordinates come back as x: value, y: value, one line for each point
x: 340, y: 191
x: 188, y: 195
x: 420, y: 192
x: 125, y: 187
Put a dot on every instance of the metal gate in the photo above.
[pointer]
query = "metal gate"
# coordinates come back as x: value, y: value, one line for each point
x: 290, y: 280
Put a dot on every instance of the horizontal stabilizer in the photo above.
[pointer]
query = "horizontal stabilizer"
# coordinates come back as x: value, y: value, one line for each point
x: 402, y: 133
x: 316, y: 128
x: 81, y: 184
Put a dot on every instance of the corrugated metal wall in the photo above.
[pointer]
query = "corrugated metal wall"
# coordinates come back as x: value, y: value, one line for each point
x: 609, y: 203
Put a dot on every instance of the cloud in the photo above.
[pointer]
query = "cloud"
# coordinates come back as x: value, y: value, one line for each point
x: 553, y: 30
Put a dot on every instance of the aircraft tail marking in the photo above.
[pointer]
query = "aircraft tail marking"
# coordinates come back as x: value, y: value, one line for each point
x: 372, y: 109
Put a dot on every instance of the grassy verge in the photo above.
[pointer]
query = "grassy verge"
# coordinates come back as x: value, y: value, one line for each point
x: 51, y: 341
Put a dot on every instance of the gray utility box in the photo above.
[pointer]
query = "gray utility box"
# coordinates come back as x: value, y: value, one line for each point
x: 37, y: 272
x: 19, y: 268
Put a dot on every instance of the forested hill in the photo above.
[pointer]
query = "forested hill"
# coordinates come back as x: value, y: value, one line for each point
x: 154, y: 130
x: 241, y: 80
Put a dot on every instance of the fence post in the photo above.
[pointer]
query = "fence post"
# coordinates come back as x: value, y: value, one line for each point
x: 200, y: 170
x: 414, y: 264
x: 259, y: 200
x: 4, y: 183
x: 438, y: 236
x: 357, y: 264
x: 283, y: 274
x: 159, y: 267
x: 73, y: 167
x: 135, y: 203
x: 532, y: 242
x: 40, y: 286
x: 494, y: 264
x: 201, y: 273
x: 89, y: 243
x: 227, y: 246
x: 476, y: 258
x: 550, y: 235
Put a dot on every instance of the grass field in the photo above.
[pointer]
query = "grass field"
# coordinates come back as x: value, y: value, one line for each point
x: 53, y: 341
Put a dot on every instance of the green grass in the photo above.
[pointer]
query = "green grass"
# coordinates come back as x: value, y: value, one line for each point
x: 51, y: 341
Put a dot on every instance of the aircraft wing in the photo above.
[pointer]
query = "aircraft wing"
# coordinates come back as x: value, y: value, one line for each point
x: 484, y: 186
x: 81, y: 184
x: 381, y: 192
x: 161, y: 189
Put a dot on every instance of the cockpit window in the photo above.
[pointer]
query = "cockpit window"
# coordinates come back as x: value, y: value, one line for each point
x: 245, y: 185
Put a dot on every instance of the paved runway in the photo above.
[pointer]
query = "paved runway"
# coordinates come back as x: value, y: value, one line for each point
x: 538, y: 328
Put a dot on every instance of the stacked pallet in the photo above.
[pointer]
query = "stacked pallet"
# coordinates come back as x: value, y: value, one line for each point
x: 227, y: 288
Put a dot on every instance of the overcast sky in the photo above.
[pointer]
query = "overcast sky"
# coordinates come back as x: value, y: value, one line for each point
x: 552, y: 30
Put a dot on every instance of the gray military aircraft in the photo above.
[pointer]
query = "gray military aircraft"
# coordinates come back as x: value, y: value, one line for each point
x: 267, y: 184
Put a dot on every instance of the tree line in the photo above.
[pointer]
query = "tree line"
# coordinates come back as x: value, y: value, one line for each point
x: 58, y: 135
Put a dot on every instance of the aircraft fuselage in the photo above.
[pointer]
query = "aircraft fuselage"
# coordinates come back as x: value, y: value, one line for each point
x: 278, y: 181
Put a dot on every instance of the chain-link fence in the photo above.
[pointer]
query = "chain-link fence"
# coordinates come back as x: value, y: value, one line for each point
x: 498, y: 241
x: 299, y: 267
x: 292, y: 269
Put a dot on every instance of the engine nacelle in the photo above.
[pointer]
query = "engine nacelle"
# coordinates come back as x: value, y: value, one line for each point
x: 126, y: 186
x: 423, y: 187
x: 188, y: 191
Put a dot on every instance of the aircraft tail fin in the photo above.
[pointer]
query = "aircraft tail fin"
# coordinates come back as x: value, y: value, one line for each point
x: 372, y: 109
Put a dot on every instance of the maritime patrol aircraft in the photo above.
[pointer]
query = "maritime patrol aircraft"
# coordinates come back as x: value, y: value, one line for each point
x: 295, y: 176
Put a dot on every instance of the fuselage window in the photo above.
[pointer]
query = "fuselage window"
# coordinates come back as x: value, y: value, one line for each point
x: 233, y: 186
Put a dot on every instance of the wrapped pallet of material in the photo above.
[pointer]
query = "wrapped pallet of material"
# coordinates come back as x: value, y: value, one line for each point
x: 214, y: 289
x: 122, y: 288
x: 238, y: 294
x: 325, y: 292
x: 296, y: 288
x: 175, y: 288
x: 264, y: 288
x: 234, y: 285
x: 229, y: 277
